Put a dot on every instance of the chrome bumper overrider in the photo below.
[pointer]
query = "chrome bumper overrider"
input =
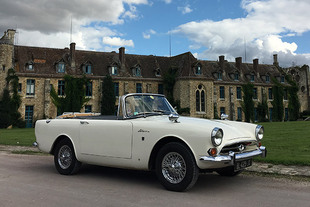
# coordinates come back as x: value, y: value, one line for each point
x: 233, y: 156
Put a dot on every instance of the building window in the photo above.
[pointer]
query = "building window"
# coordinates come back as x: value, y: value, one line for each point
x: 222, y: 92
x: 88, y: 108
x: 286, y: 114
x: 239, y: 114
x: 29, y: 66
x: 87, y: 69
x: 270, y: 114
x: 116, y: 89
x: 254, y: 93
x: 139, y: 88
x: 157, y: 73
x: 270, y: 95
x: 136, y: 71
x: 222, y: 110
x: 237, y: 76
x: 89, y: 89
x: 200, y: 99
x: 3, y: 67
x: 219, y: 75
x: 60, y: 67
x: 267, y: 79
x: 285, y: 94
x: 29, y: 116
x: 30, y: 87
x: 114, y: 70
x: 19, y: 89
x: 282, y: 79
x: 160, y: 89
x: 198, y: 70
x: 61, y: 88
x: 252, y: 77
x: 239, y: 93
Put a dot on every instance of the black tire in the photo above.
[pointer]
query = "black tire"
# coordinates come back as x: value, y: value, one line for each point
x: 228, y: 171
x: 176, y: 167
x: 64, y: 158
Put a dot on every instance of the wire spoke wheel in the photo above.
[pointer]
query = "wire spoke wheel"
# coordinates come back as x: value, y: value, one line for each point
x: 173, y: 167
x: 65, y: 157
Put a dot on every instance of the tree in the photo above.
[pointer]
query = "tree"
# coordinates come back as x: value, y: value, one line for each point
x: 262, y: 109
x: 248, y: 104
x: 74, y: 98
x: 293, y: 101
x: 108, y: 96
x: 9, y: 105
x: 169, y: 82
x: 277, y: 103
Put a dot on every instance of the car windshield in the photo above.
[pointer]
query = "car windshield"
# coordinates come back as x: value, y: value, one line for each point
x: 145, y: 105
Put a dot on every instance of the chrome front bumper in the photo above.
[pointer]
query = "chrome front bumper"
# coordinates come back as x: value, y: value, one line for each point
x: 232, y: 156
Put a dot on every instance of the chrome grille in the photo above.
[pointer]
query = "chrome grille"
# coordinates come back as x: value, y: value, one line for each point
x: 237, y: 147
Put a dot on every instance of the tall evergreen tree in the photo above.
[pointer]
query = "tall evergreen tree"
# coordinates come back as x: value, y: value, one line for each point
x: 277, y: 103
x: 108, y: 96
x: 293, y: 101
x: 169, y: 82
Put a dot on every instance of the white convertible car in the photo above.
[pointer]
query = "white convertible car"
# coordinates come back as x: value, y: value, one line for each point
x: 148, y: 134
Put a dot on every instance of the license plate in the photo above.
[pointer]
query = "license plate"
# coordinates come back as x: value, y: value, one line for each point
x: 240, y: 165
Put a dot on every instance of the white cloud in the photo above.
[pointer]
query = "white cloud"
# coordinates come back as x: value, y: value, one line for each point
x: 168, y: 1
x: 147, y: 34
x: 185, y: 10
x: 263, y: 28
x: 116, y: 41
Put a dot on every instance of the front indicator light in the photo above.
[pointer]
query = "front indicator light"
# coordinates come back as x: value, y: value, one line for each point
x: 212, y: 152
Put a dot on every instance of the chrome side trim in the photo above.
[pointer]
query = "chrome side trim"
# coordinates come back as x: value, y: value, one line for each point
x: 233, y: 156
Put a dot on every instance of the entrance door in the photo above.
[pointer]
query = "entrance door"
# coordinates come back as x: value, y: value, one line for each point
x: 29, y: 116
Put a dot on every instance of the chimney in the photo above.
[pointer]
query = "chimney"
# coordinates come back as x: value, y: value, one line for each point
x: 255, y: 64
x: 238, y: 62
x: 72, y: 55
x: 122, y: 56
x: 275, y: 60
x: 221, y: 60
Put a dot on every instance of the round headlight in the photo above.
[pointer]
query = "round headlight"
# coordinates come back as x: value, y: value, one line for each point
x: 217, y: 136
x: 259, y: 132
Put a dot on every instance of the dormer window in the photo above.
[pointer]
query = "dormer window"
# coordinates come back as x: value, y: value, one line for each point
x: 157, y: 72
x: 220, y: 75
x: 114, y: 70
x: 60, y: 67
x: 236, y: 76
x: 198, y: 70
x: 87, y: 68
x: 267, y: 79
x: 136, y: 71
x: 252, y: 77
x: 282, y: 79
x: 29, y: 66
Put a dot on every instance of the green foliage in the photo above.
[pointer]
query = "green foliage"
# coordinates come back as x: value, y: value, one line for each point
x: 108, y: 97
x: 74, y: 98
x: 216, y: 114
x: 248, y: 104
x: 293, y: 101
x: 277, y: 103
x: 169, y: 82
x: 262, y: 110
x: 9, y: 104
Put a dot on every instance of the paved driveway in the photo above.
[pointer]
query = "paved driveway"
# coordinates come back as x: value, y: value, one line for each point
x: 29, y: 180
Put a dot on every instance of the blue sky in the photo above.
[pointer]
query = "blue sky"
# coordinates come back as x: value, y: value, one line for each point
x: 206, y: 28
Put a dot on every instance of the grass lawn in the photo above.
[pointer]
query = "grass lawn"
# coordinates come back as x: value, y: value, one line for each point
x: 287, y: 143
x: 21, y: 137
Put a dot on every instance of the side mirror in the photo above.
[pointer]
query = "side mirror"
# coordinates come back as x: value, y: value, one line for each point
x: 174, y: 118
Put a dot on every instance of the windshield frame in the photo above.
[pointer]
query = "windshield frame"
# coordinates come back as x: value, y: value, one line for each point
x: 123, y: 110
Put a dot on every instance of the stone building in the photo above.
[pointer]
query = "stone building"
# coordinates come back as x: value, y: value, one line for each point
x: 204, y: 87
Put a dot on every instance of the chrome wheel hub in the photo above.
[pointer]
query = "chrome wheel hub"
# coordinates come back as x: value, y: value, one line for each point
x: 173, y: 167
x: 65, y: 157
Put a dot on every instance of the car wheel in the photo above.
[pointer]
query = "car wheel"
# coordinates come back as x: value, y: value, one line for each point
x: 176, y: 168
x: 228, y: 171
x: 64, y: 158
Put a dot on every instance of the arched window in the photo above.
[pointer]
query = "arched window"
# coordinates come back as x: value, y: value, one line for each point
x: 200, y: 99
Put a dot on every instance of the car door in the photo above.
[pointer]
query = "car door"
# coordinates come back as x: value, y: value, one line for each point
x: 110, y: 138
